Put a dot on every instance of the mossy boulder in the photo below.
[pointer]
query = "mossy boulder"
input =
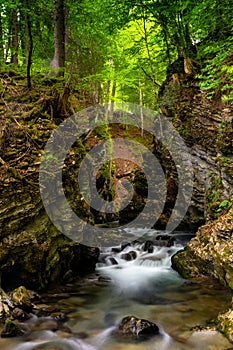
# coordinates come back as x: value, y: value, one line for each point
x: 5, y: 304
x: 210, y: 252
x: 11, y: 330
x: 225, y: 324
x: 21, y: 298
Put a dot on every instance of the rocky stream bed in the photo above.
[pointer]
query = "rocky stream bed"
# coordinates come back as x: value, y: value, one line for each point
x: 133, y: 300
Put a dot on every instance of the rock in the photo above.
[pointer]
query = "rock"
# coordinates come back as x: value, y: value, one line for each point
x: 148, y: 246
x: 138, y: 327
x: 129, y: 256
x: 20, y: 314
x: 21, y: 298
x: 6, y: 304
x: 11, y: 330
x: 126, y: 256
x: 42, y: 256
x: 133, y: 254
x: 116, y: 250
x: 68, y: 277
x: 124, y: 245
x: 225, y: 323
x: 209, y: 253
x: 112, y: 261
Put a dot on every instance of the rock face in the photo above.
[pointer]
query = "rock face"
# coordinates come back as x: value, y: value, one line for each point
x: 40, y: 255
x: 132, y: 325
x: 210, y: 252
x: 32, y: 251
x: 207, y: 129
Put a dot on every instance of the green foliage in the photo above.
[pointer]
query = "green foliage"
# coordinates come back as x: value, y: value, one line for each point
x: 121, y: 50
x: 225, y: 204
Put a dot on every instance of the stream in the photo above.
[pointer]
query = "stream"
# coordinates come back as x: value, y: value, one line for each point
x: 137, y: 280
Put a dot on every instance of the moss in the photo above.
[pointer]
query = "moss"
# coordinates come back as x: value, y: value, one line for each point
x: 10, y: 330
x: 181, y: 265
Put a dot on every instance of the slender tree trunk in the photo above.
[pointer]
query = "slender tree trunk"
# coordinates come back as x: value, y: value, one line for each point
x: 113, y: 98
x: 15, y: 39
x: 59, y: 37
x: 29, y: 45
x: 141, y: 106
x: 149, y: 56
x: 1, y: 39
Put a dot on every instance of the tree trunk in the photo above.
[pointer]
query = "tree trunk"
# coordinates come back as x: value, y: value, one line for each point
x: 15, y: 39
x: 141, y: 106
x: 29, y: 45
x: 1, y: 40
x: 59, y: 37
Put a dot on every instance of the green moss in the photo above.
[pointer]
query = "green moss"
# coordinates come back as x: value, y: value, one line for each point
x: 180, y: 263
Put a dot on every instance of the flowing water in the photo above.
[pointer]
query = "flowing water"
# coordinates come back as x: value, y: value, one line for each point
x: 146, y: 287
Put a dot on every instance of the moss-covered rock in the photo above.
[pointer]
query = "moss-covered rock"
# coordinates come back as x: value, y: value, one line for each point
x: 40, y: 255
x: 225, y: 324
x: 5, y: 304
x: 21, y: 298
x: 11, y: 330
x: 210, y: 252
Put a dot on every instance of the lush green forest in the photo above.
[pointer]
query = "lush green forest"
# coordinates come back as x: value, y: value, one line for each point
x: 112, y: 50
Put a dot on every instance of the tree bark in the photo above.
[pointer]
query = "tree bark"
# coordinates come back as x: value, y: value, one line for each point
x: 15, y: 39
x: 59, y: 37
x: 1, y: 39
x: 29, y: 45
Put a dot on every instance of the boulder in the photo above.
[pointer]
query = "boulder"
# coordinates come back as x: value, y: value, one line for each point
x: 11, y: 330
x: 21, y: 298
x: 6, y: 304
x: 134, y: 326
x: 148, y: 247
x: 210, y: 252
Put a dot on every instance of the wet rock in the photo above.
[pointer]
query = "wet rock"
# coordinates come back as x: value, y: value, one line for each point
x: 11, y: 330
x: 148, y: 247
x: 129, y: 256
x: 112, y: 261
x: 42, y: 256
x: 126, y: 256
x: 208, y: 254
x: 68, y: 277
x: 138, y: 327
x: 20, y: 314
x: 6, y: 304
x: 133, y: 254
x: 165, y: 240
x: 225, y: 323
x: 116, y: 250
x: 124, y: 245
x: 21, y: 298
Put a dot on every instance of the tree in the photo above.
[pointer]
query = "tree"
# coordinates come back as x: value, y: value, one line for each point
x: 29, y: 45
x: 14, y: 33
x: 58, y: 62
